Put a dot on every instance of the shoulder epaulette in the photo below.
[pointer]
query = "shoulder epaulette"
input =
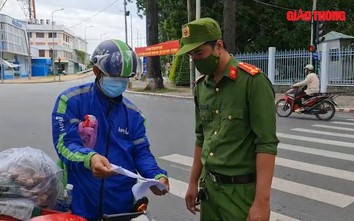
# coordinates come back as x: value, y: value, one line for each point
x: 252, y: 70
x: 199, y: 78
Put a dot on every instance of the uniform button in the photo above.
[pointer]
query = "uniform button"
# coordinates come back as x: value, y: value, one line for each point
x: 211, y: 154
x: 217, y: 111
x: 230, y: 117
x: 215, y: 132
x: 217, y: 89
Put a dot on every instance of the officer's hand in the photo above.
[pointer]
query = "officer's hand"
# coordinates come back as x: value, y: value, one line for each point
x: 159, y: 192
x: 191, y: 197
x: 259, y: 211
x: 100, y: 166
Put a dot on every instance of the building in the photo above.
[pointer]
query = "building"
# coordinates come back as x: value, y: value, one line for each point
x: 14, y: 48
x: 341, y: 56
x: 69, y: 50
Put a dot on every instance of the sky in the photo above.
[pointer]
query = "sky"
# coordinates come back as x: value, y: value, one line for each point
x: 108, y: 24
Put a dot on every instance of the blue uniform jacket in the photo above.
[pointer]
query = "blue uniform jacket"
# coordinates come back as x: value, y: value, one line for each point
x: 121, y: 138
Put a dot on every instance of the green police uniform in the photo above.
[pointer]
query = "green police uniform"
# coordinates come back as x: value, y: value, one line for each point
x: 235, y: 120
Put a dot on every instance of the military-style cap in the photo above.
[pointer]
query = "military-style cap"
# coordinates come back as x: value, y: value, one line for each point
x: 197, y: 32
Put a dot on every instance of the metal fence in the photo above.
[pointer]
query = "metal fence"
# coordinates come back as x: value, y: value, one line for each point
x: 289, y: 65
x: 341, y: 66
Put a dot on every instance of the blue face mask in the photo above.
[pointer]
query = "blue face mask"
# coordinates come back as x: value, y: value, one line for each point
x: 113, y: 86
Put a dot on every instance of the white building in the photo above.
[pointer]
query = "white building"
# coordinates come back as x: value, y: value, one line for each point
x: 14, y: 48
x: 69, y: 49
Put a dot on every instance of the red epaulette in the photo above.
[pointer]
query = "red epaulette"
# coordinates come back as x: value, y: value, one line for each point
x: 252, y: 70
x: 199, y: 78
x: 233, y: 72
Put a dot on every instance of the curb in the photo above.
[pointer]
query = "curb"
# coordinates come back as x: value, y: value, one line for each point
x: 159, y: 95
x: 38, y: 81
x: 344, y: 109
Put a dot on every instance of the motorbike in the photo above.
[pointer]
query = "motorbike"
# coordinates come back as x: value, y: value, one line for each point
x: 139, y: 209
x: 321, y: 105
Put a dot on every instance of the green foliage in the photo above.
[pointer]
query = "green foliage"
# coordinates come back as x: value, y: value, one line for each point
x: 179, y: 74
x: 81, y: 55
x: 258, y: 26
x: 173, y: 74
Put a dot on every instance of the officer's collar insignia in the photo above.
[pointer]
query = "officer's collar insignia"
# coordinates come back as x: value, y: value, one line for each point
x: 233, y: 72
x: 185, y: 32
x: 252, y: 70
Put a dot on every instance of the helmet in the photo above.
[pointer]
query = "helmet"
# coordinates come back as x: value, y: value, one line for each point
x: 115, y: 59
x: 309, y: 67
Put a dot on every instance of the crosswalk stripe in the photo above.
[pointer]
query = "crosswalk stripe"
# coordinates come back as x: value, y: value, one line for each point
x: 322, y: 170
x: 314, y: 193
x: 319, y: 152
x: 322, y: 195
x: 279, y: 217
x: 317, y: 140
x: 323, y: 133
x: 344, y: 123
x: 179, y: 188
x: 333, y: 127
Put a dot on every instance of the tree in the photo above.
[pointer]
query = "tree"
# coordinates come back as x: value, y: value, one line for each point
x: 155, y: 80
x: 229, y: 25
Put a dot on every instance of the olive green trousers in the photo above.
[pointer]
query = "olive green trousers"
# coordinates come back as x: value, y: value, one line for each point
x: 226, y: 202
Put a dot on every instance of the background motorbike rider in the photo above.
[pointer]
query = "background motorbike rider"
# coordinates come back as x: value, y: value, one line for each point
x: 312, y: 84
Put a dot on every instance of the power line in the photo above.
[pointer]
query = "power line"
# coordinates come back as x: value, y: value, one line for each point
x: 3, y: 4
x: 274, y: 6
x: 93, y: 15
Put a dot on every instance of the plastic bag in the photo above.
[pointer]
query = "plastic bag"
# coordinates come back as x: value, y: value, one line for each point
x: 31, y: 174
x: 88, y: 131
x: 20, y: 209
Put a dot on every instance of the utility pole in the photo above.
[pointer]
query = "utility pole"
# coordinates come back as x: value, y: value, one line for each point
x: 125, y: 21
x: 312, y: 27
x: 131, y: 30
x: 197, y: 16
x: 191, y: 64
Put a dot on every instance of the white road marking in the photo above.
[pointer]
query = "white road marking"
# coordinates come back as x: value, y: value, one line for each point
x: 333, y: 127
x: 316, y: 140
x: 319, y: 152
x: 318, y: 194
x: 344, y: 123
x: 310, y: 192
x: 323, y: 133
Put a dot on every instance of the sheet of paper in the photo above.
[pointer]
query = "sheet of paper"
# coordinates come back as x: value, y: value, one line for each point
x: 139, y: 189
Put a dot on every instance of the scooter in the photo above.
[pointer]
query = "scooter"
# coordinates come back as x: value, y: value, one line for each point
x: 139, y: 209
x: 321, y: 105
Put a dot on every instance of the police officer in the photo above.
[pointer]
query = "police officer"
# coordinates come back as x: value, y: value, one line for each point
x: 235, y: 130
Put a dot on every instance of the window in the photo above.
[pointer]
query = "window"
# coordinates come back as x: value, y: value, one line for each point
x: 30, y: 34
x: 41, y: 53
x: 39, y: 35
x: 334, y: 54
x: 50, y: 35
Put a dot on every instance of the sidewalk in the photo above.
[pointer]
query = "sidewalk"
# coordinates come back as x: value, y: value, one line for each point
x: 345, y: 103
x: 47, y: 79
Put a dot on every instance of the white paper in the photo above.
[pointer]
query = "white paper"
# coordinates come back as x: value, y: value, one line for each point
x: 139, y: 189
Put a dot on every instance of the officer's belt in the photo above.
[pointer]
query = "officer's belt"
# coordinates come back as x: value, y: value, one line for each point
x: 239, y: 179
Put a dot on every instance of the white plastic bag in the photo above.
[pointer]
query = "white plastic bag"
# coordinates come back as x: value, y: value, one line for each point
x: 31, y: 174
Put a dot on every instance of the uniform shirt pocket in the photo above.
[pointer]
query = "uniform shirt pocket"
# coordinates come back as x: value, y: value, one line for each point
x: 232, y: 123
x: 206, y: 115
